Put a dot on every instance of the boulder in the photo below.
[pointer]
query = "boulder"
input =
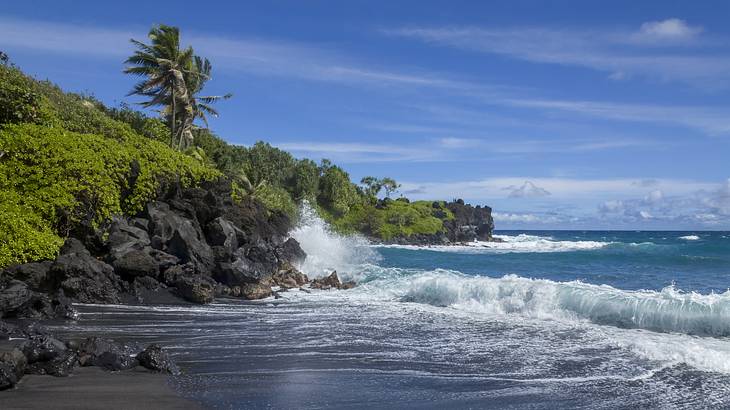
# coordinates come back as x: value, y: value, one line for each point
x: 42, y: 348
x: 84, y: 278
x: 8, y: 378
x: 179, y: 236
x: 16, y: 361
x: 289, y: 278
x: 163, y: 259
x: 34, y: 274
x: 15, y: 296
x: 290, y: 253
x: 190, y: 284
x: 61, y: 366
x: 156, y: 359
x: 331, y: 281
x: 252, y: 291
x: 255, y: 264
x: 221, y: 232
x: 124, y: 238
x: 108, y: 354
x: 136, y: 263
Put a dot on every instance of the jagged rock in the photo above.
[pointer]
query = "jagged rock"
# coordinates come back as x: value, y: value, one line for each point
x: 42, y: 348
x: 289, y: 278
x: 290, y: 253
x: 331, y: 281
x: 190, y: 284
x: 223, y: 233
x: 348, y: 285
x: 124, y: 238
x: 180, y: 236
x: 156, y: 359
x: 8, y: 330
x: 162, y: 259
x: 16, y: 361
x: 8, y: 378
x: 136, y: 263
x: 252, y: 291
x: 108, y: 354
x: 255, y: 264
x: 84, y: 278
x: 61, y: 366
x: 34, y: 274
x: 14, y: 296
x: 73, y: 246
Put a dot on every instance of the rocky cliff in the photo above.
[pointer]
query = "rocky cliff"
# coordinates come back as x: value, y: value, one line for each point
x: 469, y: 223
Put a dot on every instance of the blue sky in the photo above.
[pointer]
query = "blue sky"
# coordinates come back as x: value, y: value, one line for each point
x: 569, y: 115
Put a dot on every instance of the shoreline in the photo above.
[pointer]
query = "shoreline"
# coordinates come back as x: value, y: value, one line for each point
x: 94, y: 388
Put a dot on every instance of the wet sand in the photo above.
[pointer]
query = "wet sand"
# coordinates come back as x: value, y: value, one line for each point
x: 94, y: 388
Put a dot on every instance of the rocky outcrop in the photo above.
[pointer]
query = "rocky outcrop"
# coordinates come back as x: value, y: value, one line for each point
x: 42, y: 353
x: 470, y: 223
x: 189, y: 243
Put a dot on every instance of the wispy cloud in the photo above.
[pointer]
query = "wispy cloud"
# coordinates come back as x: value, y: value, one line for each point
x: 360, y: 152
x: 620, y: 53
x: 253, y: 55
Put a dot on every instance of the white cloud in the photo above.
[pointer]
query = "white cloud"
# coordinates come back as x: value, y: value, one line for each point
x: 667, y: 30
x: 526, y: 190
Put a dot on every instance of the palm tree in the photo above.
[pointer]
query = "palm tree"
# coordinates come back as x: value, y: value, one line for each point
x: 172, y: 78
x: 202, y: 104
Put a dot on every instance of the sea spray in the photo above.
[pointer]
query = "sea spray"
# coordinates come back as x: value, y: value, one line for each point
x: 327, y: 250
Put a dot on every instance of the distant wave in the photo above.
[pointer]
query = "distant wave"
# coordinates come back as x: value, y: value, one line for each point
x: 669, y: 310
x: 522, y: 243
x: 689, y: 238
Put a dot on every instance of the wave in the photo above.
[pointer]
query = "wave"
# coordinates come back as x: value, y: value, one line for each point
x: 522, y: 243
x: 667, y: 311
x: 689, y: 238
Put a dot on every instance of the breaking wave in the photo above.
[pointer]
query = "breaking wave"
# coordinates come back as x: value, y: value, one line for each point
x: 689, y: 238
x: 668, y: 311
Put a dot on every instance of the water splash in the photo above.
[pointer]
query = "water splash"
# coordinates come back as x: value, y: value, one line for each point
x: 327, y: 250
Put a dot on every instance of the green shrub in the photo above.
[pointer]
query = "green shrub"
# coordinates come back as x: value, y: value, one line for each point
x: 20, y: 101
x: 277, y: 199
x: 394, y: 219
x: 25, y: 235
x: 57, y: 179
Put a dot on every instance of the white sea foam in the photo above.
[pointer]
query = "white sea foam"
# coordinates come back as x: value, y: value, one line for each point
x: 327, y: 250
x: 669, y: 310
x: 521, y: 243
x: 689, y: 238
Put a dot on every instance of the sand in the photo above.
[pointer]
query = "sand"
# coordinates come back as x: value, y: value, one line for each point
x: 94, y: 388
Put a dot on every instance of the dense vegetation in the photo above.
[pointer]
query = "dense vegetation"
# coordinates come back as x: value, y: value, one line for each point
x: 66, y: 160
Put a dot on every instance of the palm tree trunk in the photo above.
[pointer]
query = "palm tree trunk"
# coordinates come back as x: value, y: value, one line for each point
x: 172, y: 121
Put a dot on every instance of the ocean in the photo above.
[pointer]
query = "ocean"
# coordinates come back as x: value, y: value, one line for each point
x: 543, y: 320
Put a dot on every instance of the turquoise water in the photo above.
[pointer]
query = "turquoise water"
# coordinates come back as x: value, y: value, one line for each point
x: 543, y: 320
x: 626, y: 260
